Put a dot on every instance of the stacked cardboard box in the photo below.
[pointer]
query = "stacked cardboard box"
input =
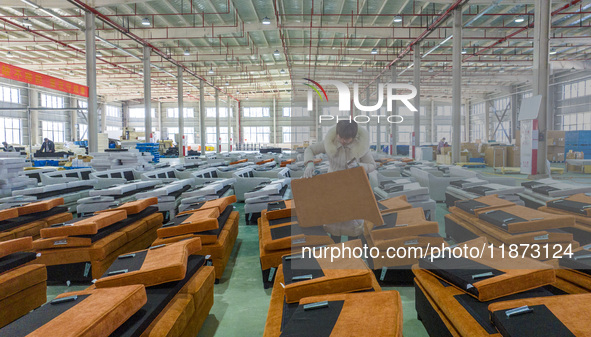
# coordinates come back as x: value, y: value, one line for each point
x: 496, y: 156
x: 555, y: 141
x: 472, y: 149
x: 514, y: 156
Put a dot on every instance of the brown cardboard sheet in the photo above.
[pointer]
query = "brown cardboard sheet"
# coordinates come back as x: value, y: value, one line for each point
x: 335, y: 197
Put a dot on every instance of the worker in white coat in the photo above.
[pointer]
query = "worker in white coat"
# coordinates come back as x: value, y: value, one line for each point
x: 346, y: 146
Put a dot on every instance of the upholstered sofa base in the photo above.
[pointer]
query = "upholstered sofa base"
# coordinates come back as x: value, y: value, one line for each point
x: 88, y: 269
x: 23, y: 302
x: 187, y: 311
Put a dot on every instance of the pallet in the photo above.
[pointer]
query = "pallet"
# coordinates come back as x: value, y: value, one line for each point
x: 517, y: 170
x: 471, y: 165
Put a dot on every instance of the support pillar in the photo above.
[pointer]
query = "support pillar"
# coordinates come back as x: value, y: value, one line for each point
x: 103, y: 109
x: 514, y: 105
x: 217, y: 122
x: 229, y: 123
x: 147, y: 94
x: 179, y: 81
x: 434, y: 139
x: 160, y: 116
x: 34, y: 137
x: 73, y: 119
x: 467, y: 121
x: 541, y: 76
x: 417, y: 100
x: 393, y: 126
x: 91, y: 82
x: 202, y: 116
x: 274, y: 120
x: 456, y: 113
x: 378, y: 126
x: 367, y: 96
x: 487, y: 129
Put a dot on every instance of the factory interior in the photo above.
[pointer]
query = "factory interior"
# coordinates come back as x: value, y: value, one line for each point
x: 200, y: 168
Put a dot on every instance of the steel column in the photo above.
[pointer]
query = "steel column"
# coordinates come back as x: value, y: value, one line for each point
x: 91, y: 82
x: 456, y: 110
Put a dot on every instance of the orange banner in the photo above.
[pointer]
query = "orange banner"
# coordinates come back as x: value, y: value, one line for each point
x: 35, y: 78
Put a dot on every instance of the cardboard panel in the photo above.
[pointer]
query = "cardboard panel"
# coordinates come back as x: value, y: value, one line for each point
x: 335, y: 197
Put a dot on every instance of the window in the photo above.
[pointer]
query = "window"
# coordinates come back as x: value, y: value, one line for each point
x: 384, y: 134
x: 444, y: 131
x: 10, y: 130
x: 50, y: 101
x: 113, y: 111
x: 11, y: 95
x: 174, y: 112
x: 576, y: 89
x: 334, y: 111
x: 189, y: 134
x: 257, y: 134
x: 295, y: 112
x: 501, y: 104
x: 53, y: 130
x: 576, y: 121
x: 500, y: 135
x: 140, y: 113
x: 210, y: 112
x: 82, y: 104
x: 444, y: 111
x: 476, y: 132
x: 404, y: 133
x: 211, y: 135
x: 404, y: 111
x: 256, y: 112
x: 295, y: 134
x: 82, y: 131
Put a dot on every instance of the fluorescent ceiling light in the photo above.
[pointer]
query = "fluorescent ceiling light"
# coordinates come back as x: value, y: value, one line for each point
x: 27, y: 22
x: 237, y: 92
x: 359, y: 70
x: 227, y: 83
x: 553, y: 51
x: 145, y: 22
x: 187, y: 53
x: 266, y: 21
x: 374, y: 51
x: 431, y: 70
x: 276, y: 52
x: 464, y: 51
x: 9, y: 54
x: 437, y: 46
x: 282, y: 71
x: 99, y: 54
x: 30, y: 3
x: 519, y: 19
x: 398, y: 18
x: 210, y: 71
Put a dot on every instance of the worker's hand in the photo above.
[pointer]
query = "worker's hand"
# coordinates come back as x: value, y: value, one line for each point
x: 309, y: 171
x: 353, y: 164
x: 365, y: 166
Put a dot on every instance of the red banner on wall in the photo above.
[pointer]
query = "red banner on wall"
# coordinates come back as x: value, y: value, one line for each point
x: 35, y: 78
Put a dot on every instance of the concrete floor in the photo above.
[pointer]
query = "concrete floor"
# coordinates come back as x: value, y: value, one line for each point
x: 241, y: 304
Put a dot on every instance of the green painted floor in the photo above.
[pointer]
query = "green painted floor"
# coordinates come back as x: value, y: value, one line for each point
x: 241, y: 304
